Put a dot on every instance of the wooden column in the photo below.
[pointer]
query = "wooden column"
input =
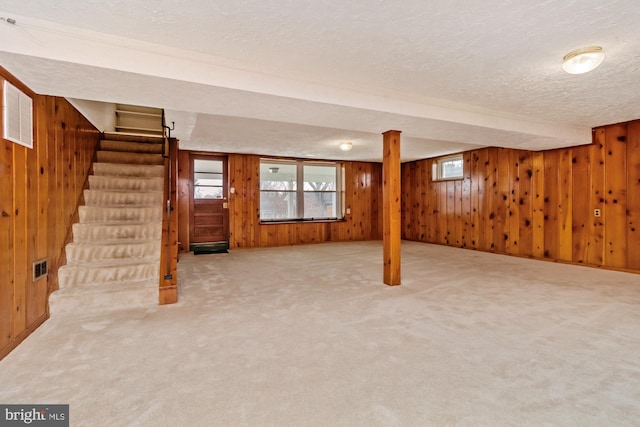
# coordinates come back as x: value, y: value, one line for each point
x: 391, y: 206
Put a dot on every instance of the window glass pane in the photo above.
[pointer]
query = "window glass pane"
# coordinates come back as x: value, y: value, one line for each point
x: 319, y: 178
x: 207, y: 179
x: 203, y: 178
x: 278, y: 205
x: 319, y: 205
x: 201, y: 192
x: 298, y: 190
x: 278, y: 177
x: 452, y: 168
x: 207, y: 166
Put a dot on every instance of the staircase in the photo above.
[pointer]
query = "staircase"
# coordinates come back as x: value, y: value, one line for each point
x: 114, y: 259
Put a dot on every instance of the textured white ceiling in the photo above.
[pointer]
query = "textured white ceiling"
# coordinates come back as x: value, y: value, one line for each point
x: 485, y: 73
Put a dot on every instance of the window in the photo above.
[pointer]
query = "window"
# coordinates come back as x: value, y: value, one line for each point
x: 17, y: 114
x: 450, y: 167
x: 299, y: 190
x: 208, y: 179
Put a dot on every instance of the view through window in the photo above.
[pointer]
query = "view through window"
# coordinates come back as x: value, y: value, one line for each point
x: 299, y: 190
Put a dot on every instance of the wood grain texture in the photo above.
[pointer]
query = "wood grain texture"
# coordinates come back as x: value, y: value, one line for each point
x: 391, y: 207
x: 362, y: 194
x: 41, y: 188
x: 537, y: 204
x: 615, y: 227
x: 168, y: 279
x: 633, y: 195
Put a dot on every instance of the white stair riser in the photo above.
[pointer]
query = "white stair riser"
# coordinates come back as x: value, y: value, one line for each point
x: 92, y: 214
x: 78, y: 276
x: 137, y: 184
x: 101, y: 252
x: 124, y: 170
x: 123, y: 198
x: 112, y: 232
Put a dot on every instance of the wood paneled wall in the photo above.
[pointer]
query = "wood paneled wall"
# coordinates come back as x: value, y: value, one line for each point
x: 40, y: 189
x: 536, y: 204
x: 363, y: 195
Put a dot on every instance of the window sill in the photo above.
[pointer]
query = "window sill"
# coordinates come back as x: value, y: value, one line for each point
x: 448, y: 179
x: 302, y: 221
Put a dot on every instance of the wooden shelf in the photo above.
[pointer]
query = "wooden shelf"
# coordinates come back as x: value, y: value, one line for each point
x: 137, y: 113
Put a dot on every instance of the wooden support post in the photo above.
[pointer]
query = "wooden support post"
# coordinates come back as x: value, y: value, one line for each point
x: 391, y: 206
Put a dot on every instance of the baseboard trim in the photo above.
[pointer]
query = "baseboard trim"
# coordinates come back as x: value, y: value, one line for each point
x: 22, y: 336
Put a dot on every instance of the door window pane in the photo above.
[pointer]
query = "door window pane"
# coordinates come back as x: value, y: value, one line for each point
x: 208, y: 179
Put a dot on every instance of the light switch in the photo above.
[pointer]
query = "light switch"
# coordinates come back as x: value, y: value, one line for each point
x: 348, y: 211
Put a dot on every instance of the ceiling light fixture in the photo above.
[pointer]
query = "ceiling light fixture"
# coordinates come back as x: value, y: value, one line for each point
x: 583, y: 60
x: 346, y: 146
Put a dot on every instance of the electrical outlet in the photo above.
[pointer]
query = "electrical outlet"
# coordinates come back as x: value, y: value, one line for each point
x: 596, y: 213
x: 348, y: 211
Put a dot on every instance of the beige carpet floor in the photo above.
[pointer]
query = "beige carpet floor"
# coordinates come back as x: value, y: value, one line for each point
x: 309, y: 336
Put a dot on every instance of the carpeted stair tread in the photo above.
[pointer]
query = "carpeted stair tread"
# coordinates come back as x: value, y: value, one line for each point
x: 116, y: 232
x: 125, y: 170
x: 80, y: 252
x: 129, y: 158
x: 128, y: 146
x: 101, y: 214
x: 101, y: 297
x: 114, y: 259
x: 123, y: 198
x: 125, y: 183
x: 123, y: 271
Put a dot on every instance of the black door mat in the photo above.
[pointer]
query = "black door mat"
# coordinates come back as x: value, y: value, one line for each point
x: 209, y: 248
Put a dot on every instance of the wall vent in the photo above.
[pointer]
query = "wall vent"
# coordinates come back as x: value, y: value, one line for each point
x: 17, y: 114
x: 39, y: 269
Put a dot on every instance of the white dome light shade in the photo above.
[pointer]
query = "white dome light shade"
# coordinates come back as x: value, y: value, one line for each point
x: 346, y: 146
x: 583, y: 60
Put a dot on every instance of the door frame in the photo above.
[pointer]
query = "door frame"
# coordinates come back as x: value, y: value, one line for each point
x: 225, y: 190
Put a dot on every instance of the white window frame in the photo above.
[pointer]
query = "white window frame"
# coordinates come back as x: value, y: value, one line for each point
x: 299, y: 192
x: 439, y: 164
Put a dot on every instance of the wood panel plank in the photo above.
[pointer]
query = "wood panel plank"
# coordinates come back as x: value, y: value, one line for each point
x: 595, y: 250
x: 184, y: 191
x: 524, y: 202
x: 582, y: 203
x: 616, y: 201
x: 451, y: 212
x: 466, y: 202
x: 513, y: 209
x: 6, y: 241
x: 565, y: 251
x: 475, y: 196
x: 538, y: 205
x: 40, y: 307
x: 633, y: 195
x: 457, y: 213
x: 20, y: 265
x: 551, y: 205
x: 32, y: 240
